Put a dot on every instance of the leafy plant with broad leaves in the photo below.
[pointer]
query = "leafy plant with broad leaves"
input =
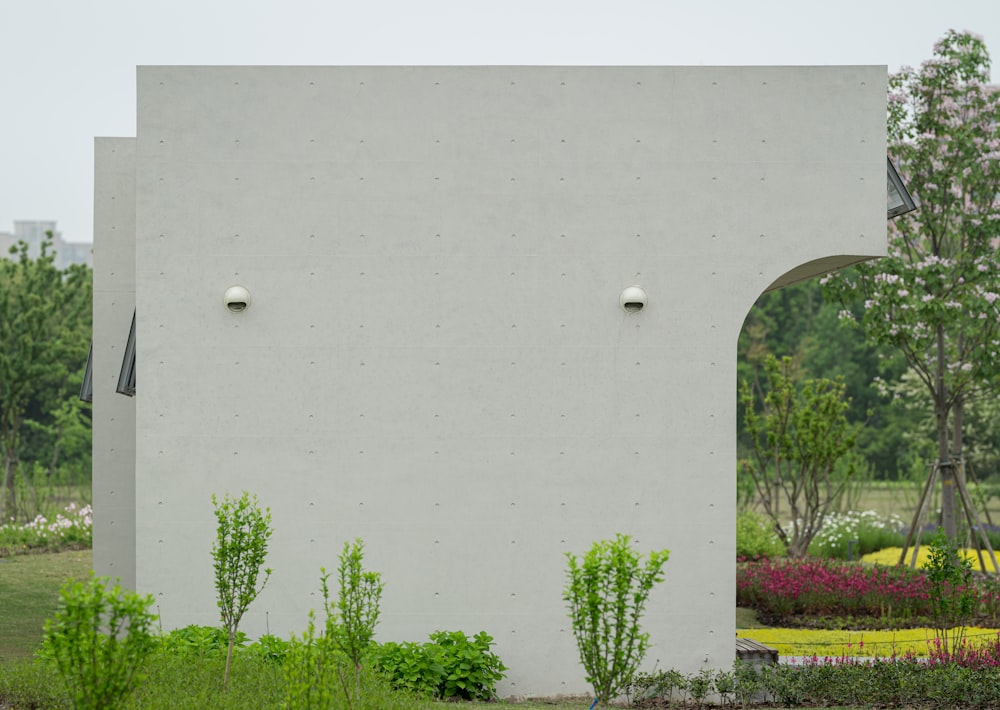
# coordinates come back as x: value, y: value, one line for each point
x: 239, y: 550
x: 607, y: 591
x: 98, y: 640
x: 451, y: 665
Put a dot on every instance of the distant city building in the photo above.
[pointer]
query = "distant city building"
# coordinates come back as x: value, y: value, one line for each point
x: 33, y: 233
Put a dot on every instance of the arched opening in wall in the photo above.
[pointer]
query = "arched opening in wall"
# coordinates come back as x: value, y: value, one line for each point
x: 793, y: 336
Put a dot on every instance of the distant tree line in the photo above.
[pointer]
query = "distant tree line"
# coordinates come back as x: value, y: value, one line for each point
x: 45, y: 331
x: 915, y: 336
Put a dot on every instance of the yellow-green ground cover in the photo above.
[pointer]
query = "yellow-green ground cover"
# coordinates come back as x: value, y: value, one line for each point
x: 890, y: 556
x: 835, y: 644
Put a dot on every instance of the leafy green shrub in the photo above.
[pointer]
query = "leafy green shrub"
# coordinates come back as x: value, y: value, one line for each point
x: 309, y: 669
x: 351, y: 624
x: 199, y: 641
x: 452, y: 665
x: 607, y: 592
x: 952, y: 594
x: 202, y: 642
x: 659, y: 684
x: 315, y: 680
x: 755, y: 537
x: 471, y: 668
x: 238, y: 553
x: 410, y: 666
x: 268, y: 648
x: 903, y: 682
x: 315, y: 663
x: 98, y: 640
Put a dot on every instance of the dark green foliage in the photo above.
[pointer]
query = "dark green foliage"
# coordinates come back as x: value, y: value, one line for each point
x: 45, y: 324
x: 98, y: 640
x: 452, y: 665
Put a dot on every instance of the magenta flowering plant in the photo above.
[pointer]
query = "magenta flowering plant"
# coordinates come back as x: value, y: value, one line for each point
x: 796, y: 592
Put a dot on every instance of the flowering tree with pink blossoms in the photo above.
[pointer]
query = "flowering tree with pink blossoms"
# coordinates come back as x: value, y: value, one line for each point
x: 936, y: 297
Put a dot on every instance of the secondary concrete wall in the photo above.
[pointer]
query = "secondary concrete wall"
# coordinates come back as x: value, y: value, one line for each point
x: 113, y: 415
x: 435, y: 359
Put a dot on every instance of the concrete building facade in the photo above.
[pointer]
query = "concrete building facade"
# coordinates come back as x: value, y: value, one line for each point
x: 435, y: 357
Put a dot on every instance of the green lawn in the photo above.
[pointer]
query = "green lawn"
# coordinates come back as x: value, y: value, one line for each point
x: 29, y: 591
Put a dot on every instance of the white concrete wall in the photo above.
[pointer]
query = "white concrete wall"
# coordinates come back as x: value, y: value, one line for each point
x: 113, y: 414
x: 435, y: 359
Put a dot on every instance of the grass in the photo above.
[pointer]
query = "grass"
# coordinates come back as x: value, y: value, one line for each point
x: 29, y: 593
x: 174, y: 683
x: 29, y: 589
x: 746, y: 618
x: 901, y: 498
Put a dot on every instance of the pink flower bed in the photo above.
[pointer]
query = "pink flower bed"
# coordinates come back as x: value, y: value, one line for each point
x: 820, y: 587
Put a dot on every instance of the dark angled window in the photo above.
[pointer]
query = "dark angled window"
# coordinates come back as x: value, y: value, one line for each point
x: 87, y: 388
x: 898, y: 201
x: 126, y: 380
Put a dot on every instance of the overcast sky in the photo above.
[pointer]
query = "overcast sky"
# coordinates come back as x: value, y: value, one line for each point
x: 67, y: 67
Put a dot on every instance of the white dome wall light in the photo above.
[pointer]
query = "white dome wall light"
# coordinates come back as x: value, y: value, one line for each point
x: 237, y: 299
x: 633, y: 299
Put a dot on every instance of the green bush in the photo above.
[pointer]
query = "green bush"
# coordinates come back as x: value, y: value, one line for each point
x: 98, y: 640
x: 451, y: 665
x: 606, y: 592
x: 313, y: 670
x: 238, y: 552
x: 892, y: 683
x: 268, y: 648
x: 199, y: 641
x: 755, y: 537
x: 350, y: 623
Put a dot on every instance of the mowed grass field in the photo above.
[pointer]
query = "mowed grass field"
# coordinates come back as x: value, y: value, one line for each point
x: 901, y: 498
x: 29, y: 594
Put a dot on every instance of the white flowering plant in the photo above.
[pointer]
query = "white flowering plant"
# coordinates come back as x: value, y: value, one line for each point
x: 70, y: 529
x: 856, y: 533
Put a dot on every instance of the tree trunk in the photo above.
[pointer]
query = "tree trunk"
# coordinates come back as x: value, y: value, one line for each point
x: 944, y: 456
x: 958, y: 466
x: 9, y: 497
